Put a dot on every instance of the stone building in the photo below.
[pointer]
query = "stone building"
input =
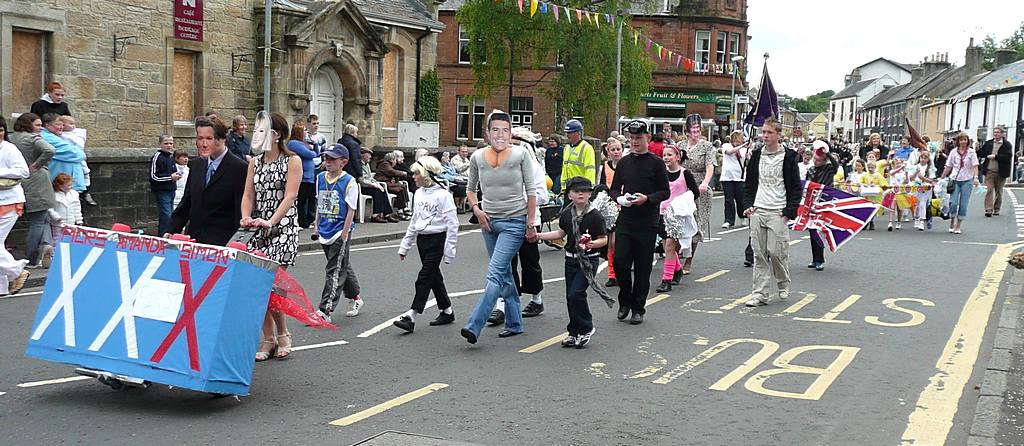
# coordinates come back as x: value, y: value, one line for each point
x: 708, y: 31
x: 131, y: 74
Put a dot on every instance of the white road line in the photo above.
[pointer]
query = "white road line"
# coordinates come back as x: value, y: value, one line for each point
x: 1018, y: 213
x: 371, y: 248
x: 312, y: 346
x: 433, y: 302
x: 54, y: 381
x: 741, y: 228
x: 970, y: 243
x: 32, y: 293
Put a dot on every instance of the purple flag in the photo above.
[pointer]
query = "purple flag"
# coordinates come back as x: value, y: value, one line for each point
x: 767, y: 102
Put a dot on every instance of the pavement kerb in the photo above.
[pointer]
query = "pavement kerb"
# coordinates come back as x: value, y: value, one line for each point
x: 304, y: 246
x: 992, y: 392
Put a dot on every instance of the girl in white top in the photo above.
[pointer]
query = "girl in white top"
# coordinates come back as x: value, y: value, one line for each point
x: 12, y: 203
x: 181, y: 162
x: 897, y: 177
x: 435, y: 226
x: 67, y: 208
x: 922, y: 174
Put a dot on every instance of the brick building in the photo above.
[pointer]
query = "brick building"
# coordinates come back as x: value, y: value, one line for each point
x: 129, y: 79
x: 707, y: 31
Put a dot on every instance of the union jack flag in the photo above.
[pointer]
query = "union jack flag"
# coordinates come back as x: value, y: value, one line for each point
x: 836, y: 215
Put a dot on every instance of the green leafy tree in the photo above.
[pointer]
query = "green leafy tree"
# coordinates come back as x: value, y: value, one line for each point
x: 815, y: 103
x: 504, y: 42
x: 989, y: 46
x: 430, y: 96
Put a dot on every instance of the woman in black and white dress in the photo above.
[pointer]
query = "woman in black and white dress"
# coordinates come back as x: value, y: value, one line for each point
x: 269, y: 206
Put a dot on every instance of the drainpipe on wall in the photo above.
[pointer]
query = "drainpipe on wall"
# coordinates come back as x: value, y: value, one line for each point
x: 419, y: 45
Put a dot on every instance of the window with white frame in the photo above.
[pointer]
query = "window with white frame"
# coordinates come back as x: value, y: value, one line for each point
x: 463, y: 47
x: 734, y: 45
x: 462, y: 117
x: 666, y: 6
x: 703, y: 47
x: 720, y: 48
x: 479, y: 119
x: 522, y: 111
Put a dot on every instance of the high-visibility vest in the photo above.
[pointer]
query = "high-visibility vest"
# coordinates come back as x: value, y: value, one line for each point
x: 578, y: 161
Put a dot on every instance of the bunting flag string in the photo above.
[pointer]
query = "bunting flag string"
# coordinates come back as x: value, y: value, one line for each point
x: 650, y: 46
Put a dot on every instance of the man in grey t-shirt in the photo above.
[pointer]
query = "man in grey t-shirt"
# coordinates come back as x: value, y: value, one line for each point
x: 771, y: 198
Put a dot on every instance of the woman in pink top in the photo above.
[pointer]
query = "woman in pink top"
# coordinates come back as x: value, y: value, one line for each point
x: 963, y: 165
x: 679, y: 182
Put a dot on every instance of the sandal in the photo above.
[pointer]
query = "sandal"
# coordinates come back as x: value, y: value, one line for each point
x: 283, y: 351
x: 19, y: 282
x: 265, y: 355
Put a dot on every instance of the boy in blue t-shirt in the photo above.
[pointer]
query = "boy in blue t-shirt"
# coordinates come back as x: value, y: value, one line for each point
x: 337, y: 197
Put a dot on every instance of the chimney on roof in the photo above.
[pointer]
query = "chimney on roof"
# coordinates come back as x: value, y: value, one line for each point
x: 972, y: 59
x: 936, y: 64
x: 1004, y: 56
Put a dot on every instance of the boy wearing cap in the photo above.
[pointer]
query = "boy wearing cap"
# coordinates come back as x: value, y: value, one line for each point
x: 337, y: 196
x: 584, y: 228
x: 640, y: 185
x: 578, y: 159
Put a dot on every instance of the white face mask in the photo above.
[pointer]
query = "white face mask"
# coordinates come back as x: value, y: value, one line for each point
x: 262, y: 135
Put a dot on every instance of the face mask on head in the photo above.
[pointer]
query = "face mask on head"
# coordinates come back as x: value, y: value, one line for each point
x: 261, y: 134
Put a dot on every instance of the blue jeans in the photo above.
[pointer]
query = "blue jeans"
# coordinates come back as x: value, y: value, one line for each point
x: 164, y: 207
x: 503, y: 242
x: 38, y: 229
x: 960, y: 198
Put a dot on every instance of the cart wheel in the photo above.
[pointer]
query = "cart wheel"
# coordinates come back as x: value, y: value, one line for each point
x: 113, y: 383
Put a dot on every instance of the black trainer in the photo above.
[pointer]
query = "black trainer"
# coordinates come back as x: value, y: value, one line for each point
x: 666, y: 285
x: 637, y: 319
x: 533, y: 309
x: 470, y: 337
x: 611, y: 282
x: 497, y: 317
x: 623, y: 313
x: 677, y: 277
x: 405, y: 323
x: 569, y: 341
x: 443, y: 319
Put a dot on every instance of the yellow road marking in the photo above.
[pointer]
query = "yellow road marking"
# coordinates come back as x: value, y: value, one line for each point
x: 936, y: 407
x: 831, y: 316
x: 556, y: 339
x: 362, y: 415
x: 711, y: 276
x: 545, y: 344
x: 801, y: 304
x: 735, y: 303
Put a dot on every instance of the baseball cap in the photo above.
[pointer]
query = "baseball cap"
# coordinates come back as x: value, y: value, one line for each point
x: 336, y: 151
x: 579, y: 183
x: 637, y: 126
x: 574, y: 125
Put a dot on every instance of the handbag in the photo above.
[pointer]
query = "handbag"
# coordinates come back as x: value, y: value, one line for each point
x: 9, y: 183
x: 951, y: 185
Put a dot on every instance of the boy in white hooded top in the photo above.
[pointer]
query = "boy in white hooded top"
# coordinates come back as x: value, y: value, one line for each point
x: 435, y: 226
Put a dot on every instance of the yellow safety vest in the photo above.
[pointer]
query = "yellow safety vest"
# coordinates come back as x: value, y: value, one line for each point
x: 579, y: 161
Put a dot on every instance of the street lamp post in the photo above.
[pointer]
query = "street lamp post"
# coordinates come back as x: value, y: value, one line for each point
x: 732, y: 97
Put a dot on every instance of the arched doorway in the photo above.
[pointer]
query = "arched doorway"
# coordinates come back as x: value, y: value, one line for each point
x: 326, y: 101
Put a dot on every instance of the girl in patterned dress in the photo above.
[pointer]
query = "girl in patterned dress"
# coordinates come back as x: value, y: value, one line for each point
x: 700, y: 161
x: 268, y: 205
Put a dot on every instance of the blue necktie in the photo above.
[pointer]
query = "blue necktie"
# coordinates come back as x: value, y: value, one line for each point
x: 209, y: 173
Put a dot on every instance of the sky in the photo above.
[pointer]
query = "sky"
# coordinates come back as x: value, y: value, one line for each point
x: 814, y: 44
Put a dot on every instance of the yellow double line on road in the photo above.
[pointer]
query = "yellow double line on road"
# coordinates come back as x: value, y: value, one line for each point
x: 387, y: 405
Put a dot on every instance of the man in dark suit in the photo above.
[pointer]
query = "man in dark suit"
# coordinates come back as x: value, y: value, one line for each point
x: 996, y: 158
x: 211, y: 207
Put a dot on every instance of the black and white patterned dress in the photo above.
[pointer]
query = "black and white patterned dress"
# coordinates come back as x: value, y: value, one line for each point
x: 280, y: 242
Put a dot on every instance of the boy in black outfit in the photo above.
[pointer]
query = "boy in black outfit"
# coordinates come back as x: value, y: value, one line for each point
x: 585, y: 235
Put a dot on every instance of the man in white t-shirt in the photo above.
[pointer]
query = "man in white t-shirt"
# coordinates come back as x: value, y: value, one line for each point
x: 734, y: 161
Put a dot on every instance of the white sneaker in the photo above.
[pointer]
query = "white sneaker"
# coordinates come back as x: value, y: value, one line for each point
x: 326, y: 317
x: 726, y: 225
x: 755, y: 302
x: 356, y: 305
x: 783, y: 295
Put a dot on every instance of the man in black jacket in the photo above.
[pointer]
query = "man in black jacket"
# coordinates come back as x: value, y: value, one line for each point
x: 822, y: 171
x: 640, y: 185
x: 350, y: 139
x: 996, y: 158
x: 771, y: 198
x: 211, y: 207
